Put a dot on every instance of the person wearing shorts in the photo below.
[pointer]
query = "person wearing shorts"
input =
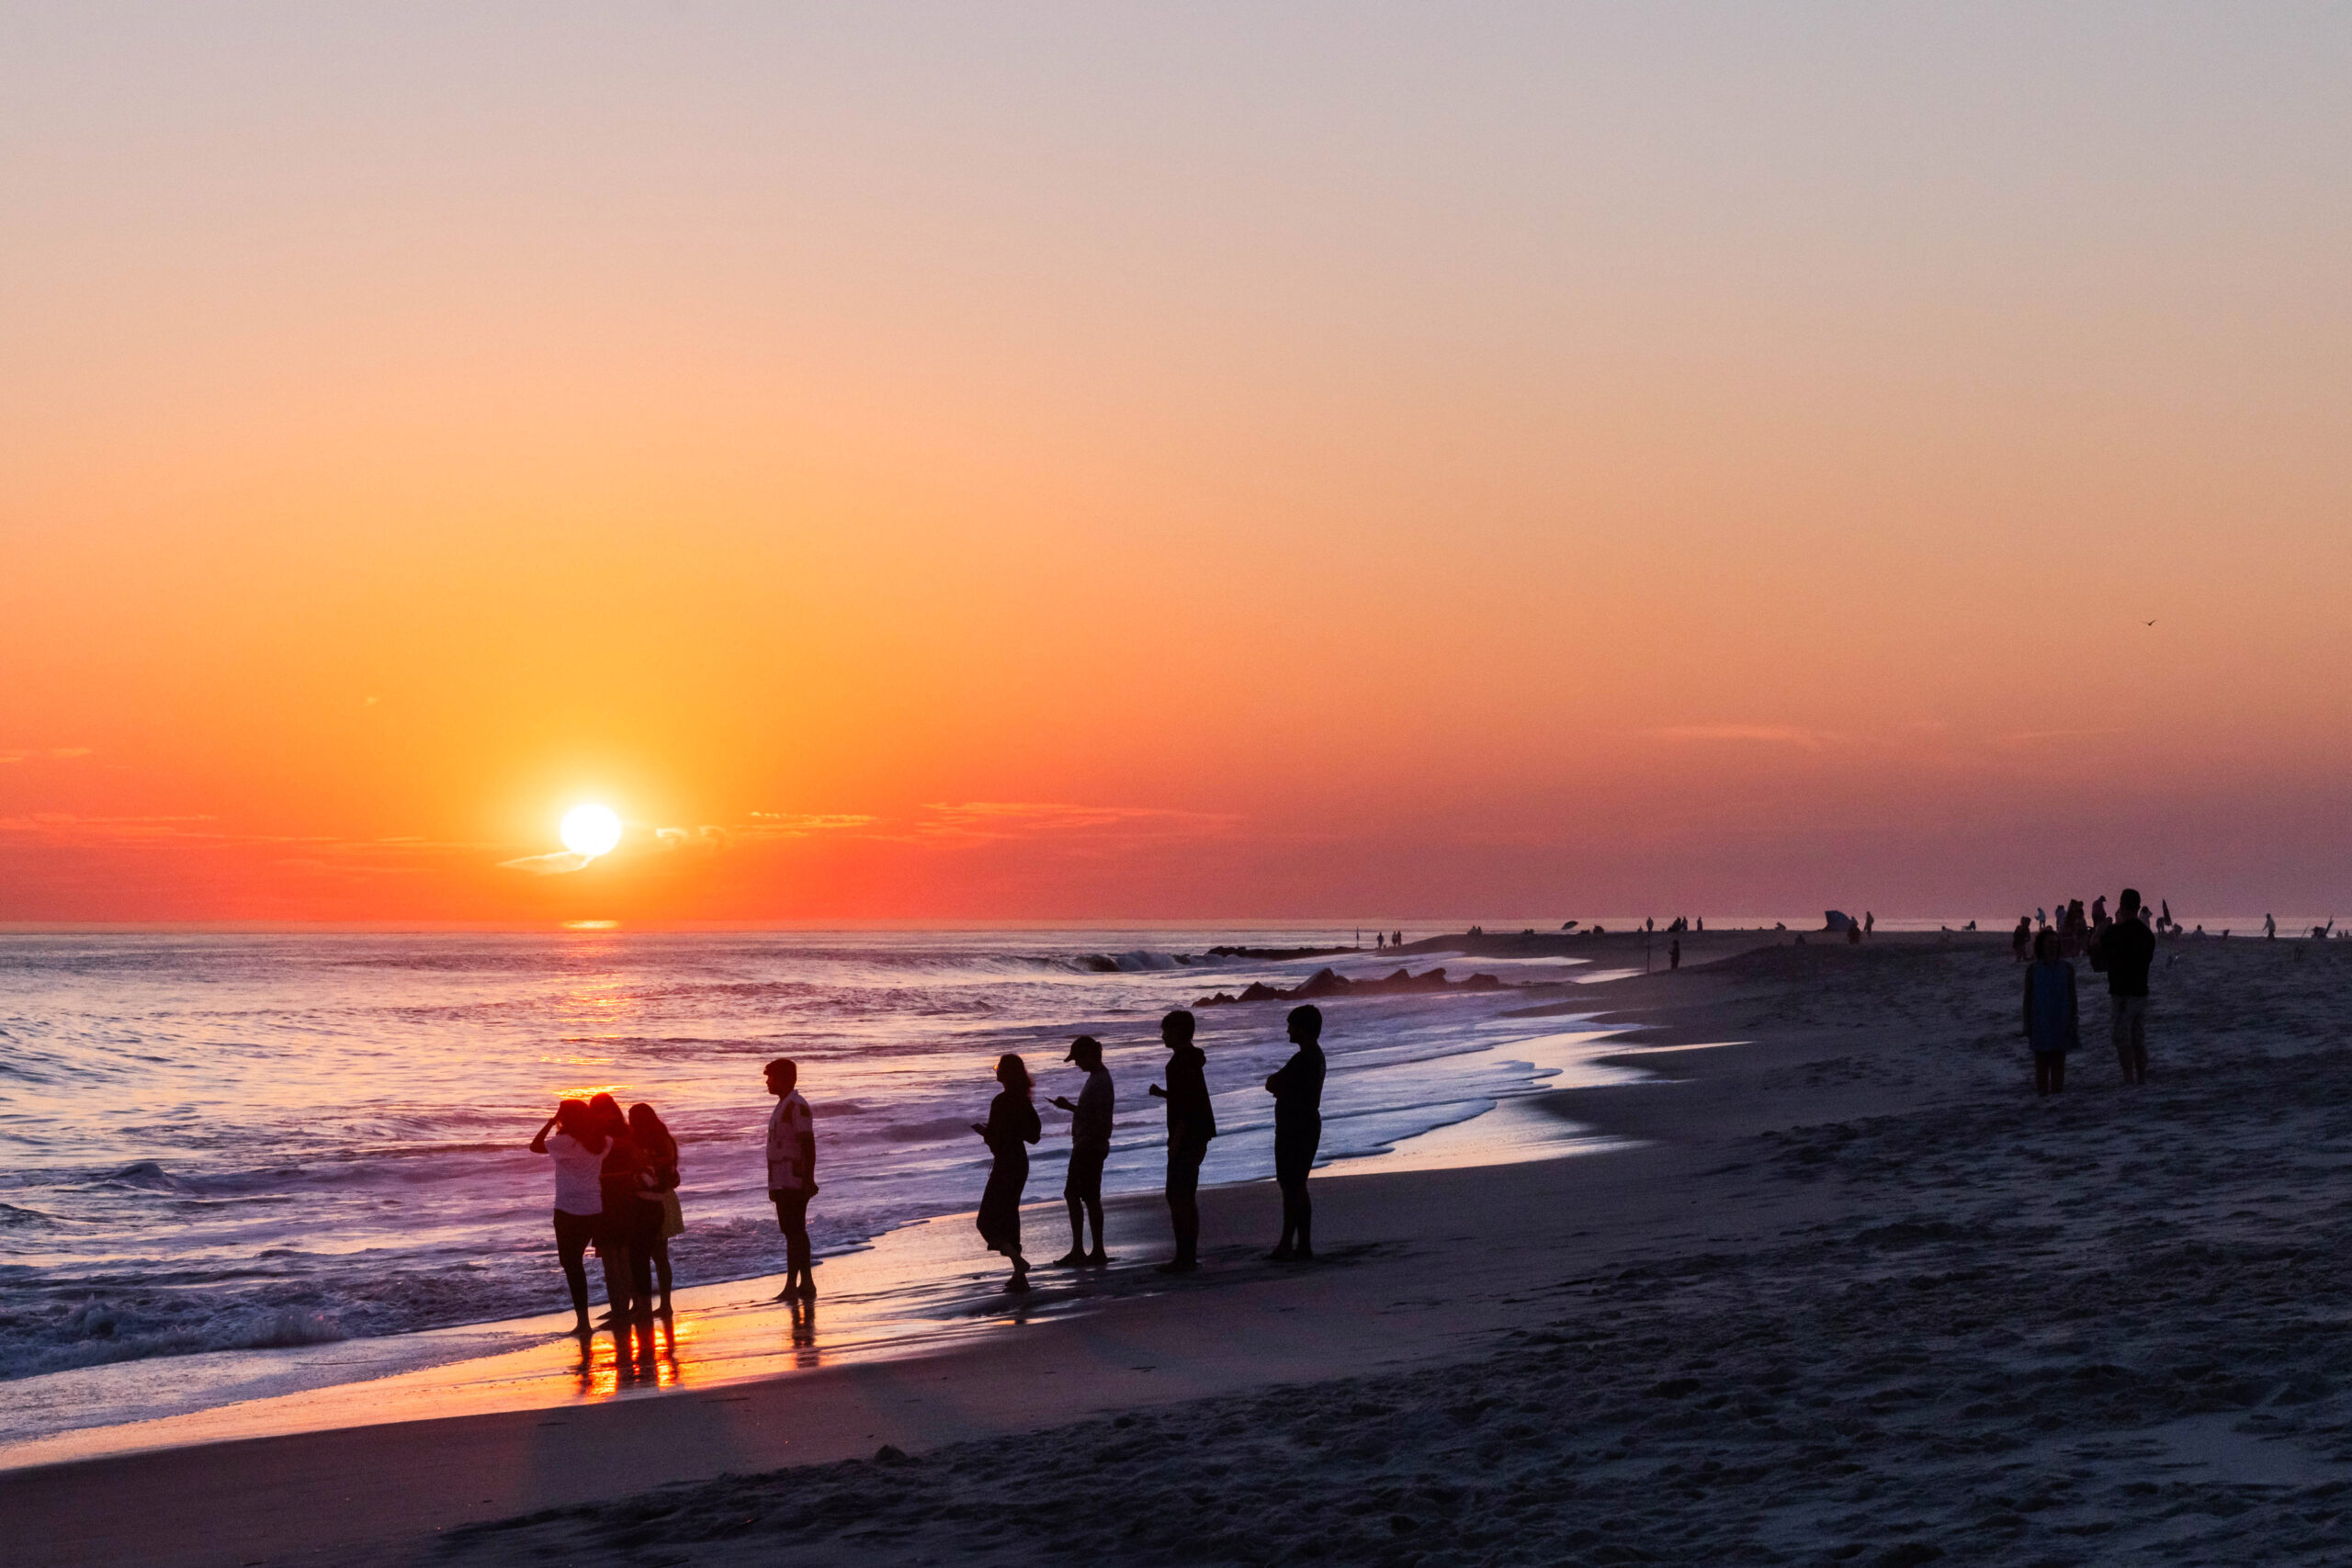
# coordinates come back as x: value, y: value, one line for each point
x: 792, y: 1176
x: 1089, y: 1146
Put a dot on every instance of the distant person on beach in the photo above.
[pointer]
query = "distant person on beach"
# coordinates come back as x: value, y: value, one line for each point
x: 2128, y: 950
x: 792, y: 1176
x: 1011, y: 1128
x: 1089, y: 1146
x: 1869, y: 923
x: 570, y: 1138
x: 624, y: 1243
x: 2022, y: 939
x: 2270, y: 927
x: 1297, y: 1088
x: 1192, y: 1122
x: 659, y: 1192
x: 1674, y: 953
x: 2053, y: 1018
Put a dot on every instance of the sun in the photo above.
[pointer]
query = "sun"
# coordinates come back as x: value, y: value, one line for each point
x: 591, y: 830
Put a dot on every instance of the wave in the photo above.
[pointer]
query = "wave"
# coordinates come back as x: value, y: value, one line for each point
x: 95, y: 1333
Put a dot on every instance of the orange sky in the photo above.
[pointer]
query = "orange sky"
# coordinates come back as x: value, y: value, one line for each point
x: 1068, y: 464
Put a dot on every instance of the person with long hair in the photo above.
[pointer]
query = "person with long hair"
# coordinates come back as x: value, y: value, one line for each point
x: 658, y: 1193
x: 570, y: 1138
x: 1011, y: 1128
x: 619, y: 1182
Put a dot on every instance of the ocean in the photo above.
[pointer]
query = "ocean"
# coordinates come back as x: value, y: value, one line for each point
x: 224, y: 1141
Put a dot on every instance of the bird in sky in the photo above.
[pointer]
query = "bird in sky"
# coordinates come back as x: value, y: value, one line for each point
x: 2147, y: 622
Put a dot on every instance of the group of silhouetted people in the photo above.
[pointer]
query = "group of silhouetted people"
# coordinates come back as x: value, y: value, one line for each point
x: 616, y: 1189
x: 2123, y: 949
x: 1013, y: 1126
x: 617, y: 1176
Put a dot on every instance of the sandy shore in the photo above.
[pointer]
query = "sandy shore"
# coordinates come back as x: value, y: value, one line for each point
x: 1855, y: 1296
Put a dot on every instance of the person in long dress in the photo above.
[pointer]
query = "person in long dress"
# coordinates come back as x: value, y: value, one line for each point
x: 1011, y: 1128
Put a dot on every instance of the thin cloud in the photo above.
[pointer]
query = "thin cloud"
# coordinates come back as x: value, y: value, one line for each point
x: 1756, y: 734
x: 555, y: 864
x: 14, y: 755
x: 978, y: 821
x: 66, y: 826
x: 800, y: 824
x: 2023, y: 737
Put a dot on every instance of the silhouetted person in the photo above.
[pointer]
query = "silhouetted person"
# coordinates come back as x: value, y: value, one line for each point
x: 1011, y: 1128
x: 620, y: 1237
x: 659, y: 1192
x: 2052, y: 1015
x: 792, y: 1175
x: 2022, y: 939
x: 1674, y: 953
x: 577, y: 1150
x: 2128, y: 950
x: 1089, y: 1146
x: 1297, y: 1088
x: 1869, y: 923
x: 2270, y: 927
x: 1192, y: 1122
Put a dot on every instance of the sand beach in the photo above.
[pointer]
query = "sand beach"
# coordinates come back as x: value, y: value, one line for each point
x: 1841, y: 1290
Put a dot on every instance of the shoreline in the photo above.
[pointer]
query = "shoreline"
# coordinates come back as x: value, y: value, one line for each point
x: 903, y: 1292
x: 851, y: 1405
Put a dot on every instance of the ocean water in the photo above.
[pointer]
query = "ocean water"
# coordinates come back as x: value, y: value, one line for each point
x: 218, y: 1142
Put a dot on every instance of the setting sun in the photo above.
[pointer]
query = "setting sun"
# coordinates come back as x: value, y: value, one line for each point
x: 591, y: 830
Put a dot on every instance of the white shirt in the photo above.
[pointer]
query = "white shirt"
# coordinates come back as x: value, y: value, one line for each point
x: 576, y: 1169
x: 791, y: 1131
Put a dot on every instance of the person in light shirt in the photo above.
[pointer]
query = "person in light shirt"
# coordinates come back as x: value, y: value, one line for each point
x: 792, y: 1175
x: 570, y: 1138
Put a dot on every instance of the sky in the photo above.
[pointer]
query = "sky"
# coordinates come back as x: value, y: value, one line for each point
x: 1106, y: 462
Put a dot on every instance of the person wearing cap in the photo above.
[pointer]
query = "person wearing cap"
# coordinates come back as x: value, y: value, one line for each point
x: 1297, y: 1088
x: 1192, y: 1122
x: 1089, y: 1146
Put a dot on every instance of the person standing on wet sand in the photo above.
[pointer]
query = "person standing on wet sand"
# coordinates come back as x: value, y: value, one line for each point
x: 1011, y: 1128
x: 1192, y: 1122
x: 2052, y: 1019
x: 2127, y: 951
x: 577, y: 1150
x: 792, y: 1176
x: 1297, y: 1088
x: 1089, y: 1146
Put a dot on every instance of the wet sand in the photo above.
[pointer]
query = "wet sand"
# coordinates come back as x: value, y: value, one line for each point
x: 1851, y: 1295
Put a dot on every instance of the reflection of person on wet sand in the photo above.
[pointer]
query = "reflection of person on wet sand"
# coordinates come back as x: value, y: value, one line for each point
x: 1089, y: 1146
x: 1011, y: 1128
x: 792, y: 1175
x: 577, y: 1150
x: 1297, y: 1088
x: 803, y: 1332
x: 1192, y: 1122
